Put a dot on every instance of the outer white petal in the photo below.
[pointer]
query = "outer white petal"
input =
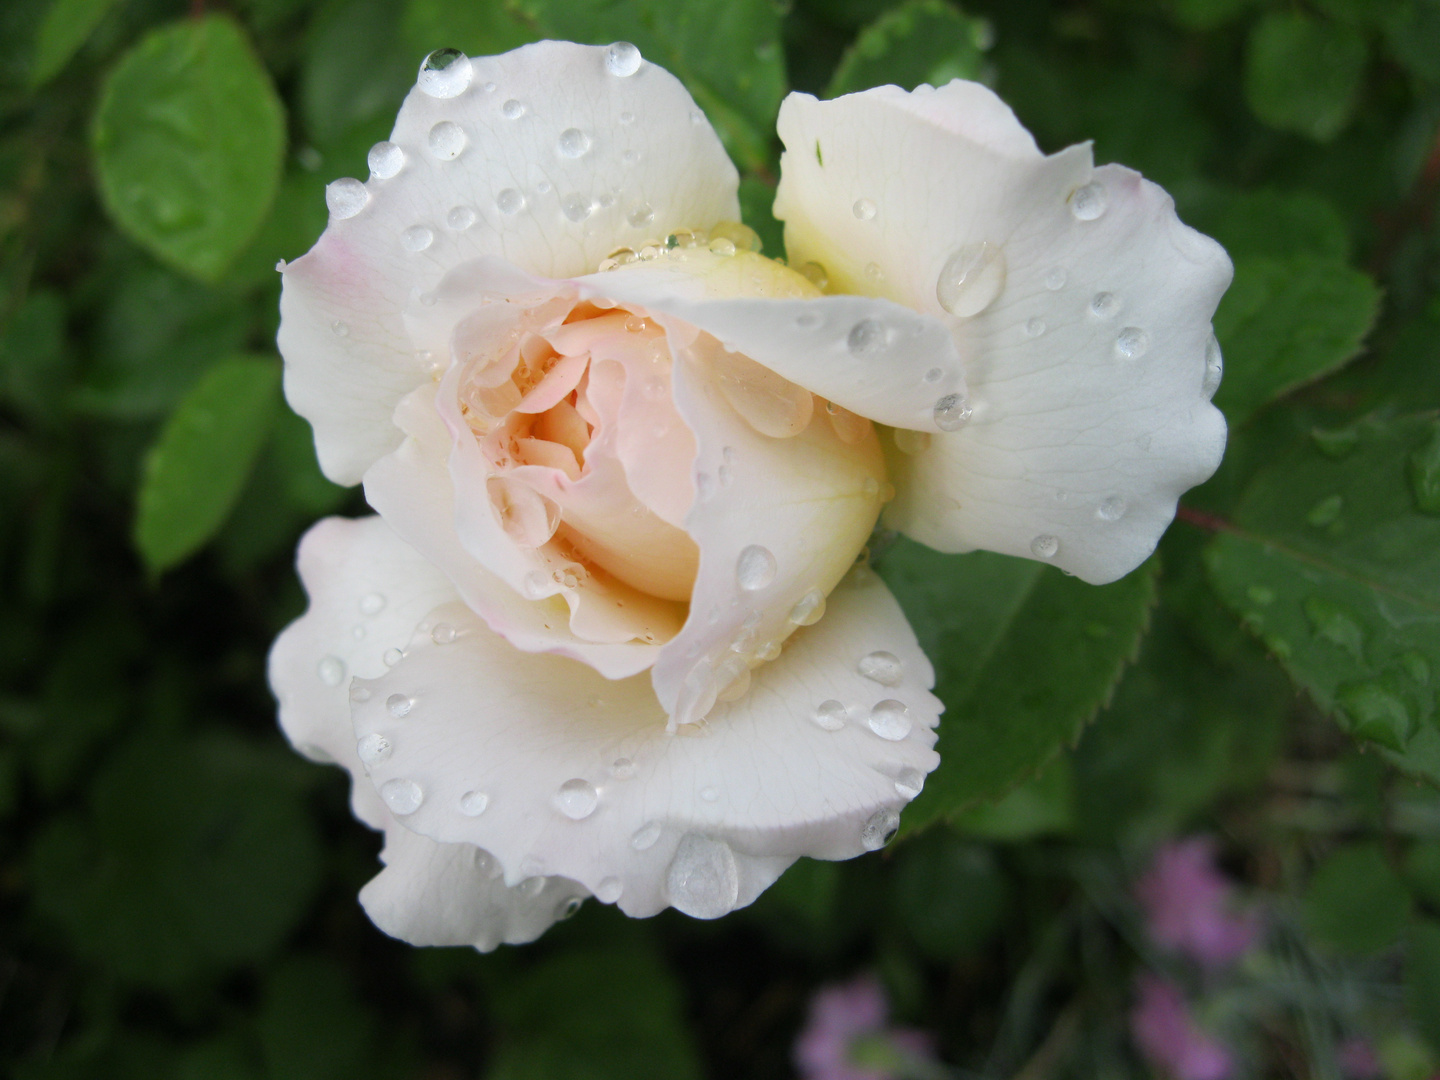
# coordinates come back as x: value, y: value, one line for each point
x: 701, y: 822
x: 650, y: 164
x: 1091, y: 416
x: 368, y: 590
x: 453, y: 894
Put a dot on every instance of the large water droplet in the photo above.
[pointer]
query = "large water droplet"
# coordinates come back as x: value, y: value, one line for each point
x: 385, y: 160
x: 643, y: 839
x: 890, y: 719
x: 402, y: 796
x: 1132, y: 342
x: 770, y: 403
x: 703, y: 880
x: 473, y: 803
x: 864, y: 209
x: 880, y: 828
x: 445, y: 73
x: 829, y: 715
x: 971, y: 279
x: 867, y: 337
x: 346, y: 197
x: 577, y: 799
x: 374, y: 748
x: 952, y: 412
x: 622, y: 59
x: 331, y: 670
x: 909, y: 782
x: 531, y: 887
x: 576, y: 207
x: 510, y: 201
x: 809, y: 609
x: 460, y: 218
x: 1111, y: 508
x: 512, y: 110
x: 399, y: 705
x: 1045, y: 546
x: 755, y: 568
x: 573, y: 143
x: 417, y: 238
x: 1090, y: 201
x: 881, y: 667
x: 447, y: 139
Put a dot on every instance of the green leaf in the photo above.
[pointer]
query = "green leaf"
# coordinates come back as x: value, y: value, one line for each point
x: 311, y: 1026
x: 1332, y: 564
x: 474, y: 29
x: 1042, y: 806
x: 197, y: 468
x: 990, y: 623
x: 1277, y: 224
x: 33, y: 359
x: 356, y: 71
x: 1412, y: 32
x: 67, y: 24
x: 919, y: 41
x: 1284, y: 323
x: 1303, y: 74
x: 949, y: 895
x: 189, y: 137
x: 1355, y: 903
x: 726, y: 52
x: 1422, y: 979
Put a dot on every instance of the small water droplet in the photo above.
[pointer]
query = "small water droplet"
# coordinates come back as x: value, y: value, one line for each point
x: 952, y: 412
x: 709, y: 794
x: 340, y: 329
x: 402, y: 796
x: 512, y: 110
x: 1034, y: 327
x: 874, y: 272
x: 510, y: 202
x: 568, y: 907
x: 908, y: 441
x: 385, y: 160
x: 1103, y: 305
x: 909, y: 782
x: 1326, y: 511
x: 489, y: 88
x: 1423, y: 468
x: 609, y: 890
x: 531, y: 887
x: 1132, y: 342
x: 814, y: 273
x: 392, y: 656
x: 622, y: 59
x: 417, y: 238
x: 359, y: 693
x: 331, y: 670
x: 445, y: 73
x: 1111, y: 508
x: 1045, y: 546
x: 867, y: 337
x: 971, y: 279
x: 372, y: 603
x: 1055, y: 278
x: 460, y: 218
x: 880, y: 828
x: 623, y: 768
x: 643, y: 839
x: 473, y: 803
x: 890, y: 719
x: 755, y: 568
x: 447, y: 139
x: 573, y: 143
x: 627, y: 118
x: 346, y: 197
x: 442, y: 634
x: 829, y: 715
x: 864, y: 209
x: 576, y: 207
x: 1090, y: 201
x: 702, y: 880
x: 1214, y: 367
x: 884, y: 668
x: 809, y: 609
x: 696, y: 119
x: 373, y: 749
x: 399, y: 705
x: 577, y: 799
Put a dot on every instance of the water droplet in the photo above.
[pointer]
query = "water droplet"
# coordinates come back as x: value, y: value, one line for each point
x: 882, y: 667
x: 473, y: 803
x: 1111, y: 508
x: 1132, y: 342
x: 510, y: 201
x: 864, y: 209
x: 573, y: 143
x: 399, y: 705
x: 627, y: 118
x: 807, y: 320
x: 489, y: 88
x: 1336, y: 624
x: 392, y: 657
x: 402, y: 796
x: 385, y: 160
x: 1214, y: 367
x: 1326, y: 511
x: 442, y: 634
x: 609, y: 890
x: 359, y: 693
x: 867, y: 337
x: 622, y: 59
x: 531, y: 887
x: 643, y: 839
x: 755, y: 568
x: 447, y: 139
x: 880, y: 828
x: 890, y: 719
x: 512, y: 110
x: 702, y: 880
x: 346, y: 198
x: 640, y: 216
x: 952, y: 412
x: 372, y: 603
x: 460, y: 218
x: 340, y: 329
x: 1034, y: 327
x: 809, y: 609
x: 829, y: 715
x: 1377, y: 713
x: 577, y: 799
x: 814, y: 273
x: 331, y: 670
x: 696, y: 119
x: 911, y: 442
x: 445, y: 73
x: 1423, y: 468
x: 1045, y: 546
x: 874, y: 273
x: 971, y: 279
x: 909, y: 782
x: 568, y: 907
x: 709, y: 794
x: 1090, y: 201
x: 373, y: 749
x: 576, y: 207
x: 1103, y: 305
x: 537, y: 585
x: 417, y: 238
x: 623, y: 768
x: 1055, y: 278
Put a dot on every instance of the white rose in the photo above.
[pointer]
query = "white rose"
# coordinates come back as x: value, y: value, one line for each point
x: 581, y: 649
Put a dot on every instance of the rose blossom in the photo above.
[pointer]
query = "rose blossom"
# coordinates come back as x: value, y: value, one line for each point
x: 603, y: 638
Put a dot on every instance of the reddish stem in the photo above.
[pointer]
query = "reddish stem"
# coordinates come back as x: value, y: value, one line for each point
x: 1202, y: 520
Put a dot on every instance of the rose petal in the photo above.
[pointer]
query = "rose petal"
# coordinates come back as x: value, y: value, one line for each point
x: 644, y: 162
x: 1084, y: 328
x: 581, y: 780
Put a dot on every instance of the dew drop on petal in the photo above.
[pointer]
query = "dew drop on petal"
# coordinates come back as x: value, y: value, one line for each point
x: 829, y: 715
x: 1112, y: 508
x: 643, y: 839
x: 331, y: 670
x: 510, y: 201
x: 1090, y: 201
x: 867, y: 337
x: 702, y: 880
x: 971, y: 279
x: 473, y: 803
x: 340, y: 329
x: 952, y: 412
x: 884, y: 668
x: 809, y: 609
x: 1103, y: 305
x: 909, y: 782
x: 890, y: 719
x: 755, y: 568
x: 445, y: 73
x: 1034, y: 327
x: 442, y: 634
x: 609, y: 890
x: 577, y: 799
x: 568, y: 907
x: 880, y: 828
x: 1055, y: 278
x: 573, y: 143
x: 460, y: 218
x: 864, y: 209
x: 417, y: 238
x: 372, y: 603
x: 447, y: 139
x: 709, y: 794
x: 623, y: 768
x: 359, y: 693
x: 346, y: 197
x: 1132, y: 342
x: 512, y: 110
x: 1045, y: 546
x: 392, y: 657
x: 908, y: 441
x: 640, y: 215
x: 627, y: 118
x: 1214, y: 367
x: 399, y: 705
x: 630, y: 157
x: 402, y: 796
x: 532, y: 886
x: 622, y: 59
x: 373, y: 749
x: 385, y: 160
x: 576, y: 207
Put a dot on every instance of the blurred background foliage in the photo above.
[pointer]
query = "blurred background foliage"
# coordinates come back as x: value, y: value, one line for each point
x: 177, y: 889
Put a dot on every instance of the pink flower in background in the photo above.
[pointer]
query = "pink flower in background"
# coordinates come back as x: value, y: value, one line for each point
x: 851, y: 1017
x: 1357, y: 1060
x: 1168, y: 1037
x: 1190, y: 907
